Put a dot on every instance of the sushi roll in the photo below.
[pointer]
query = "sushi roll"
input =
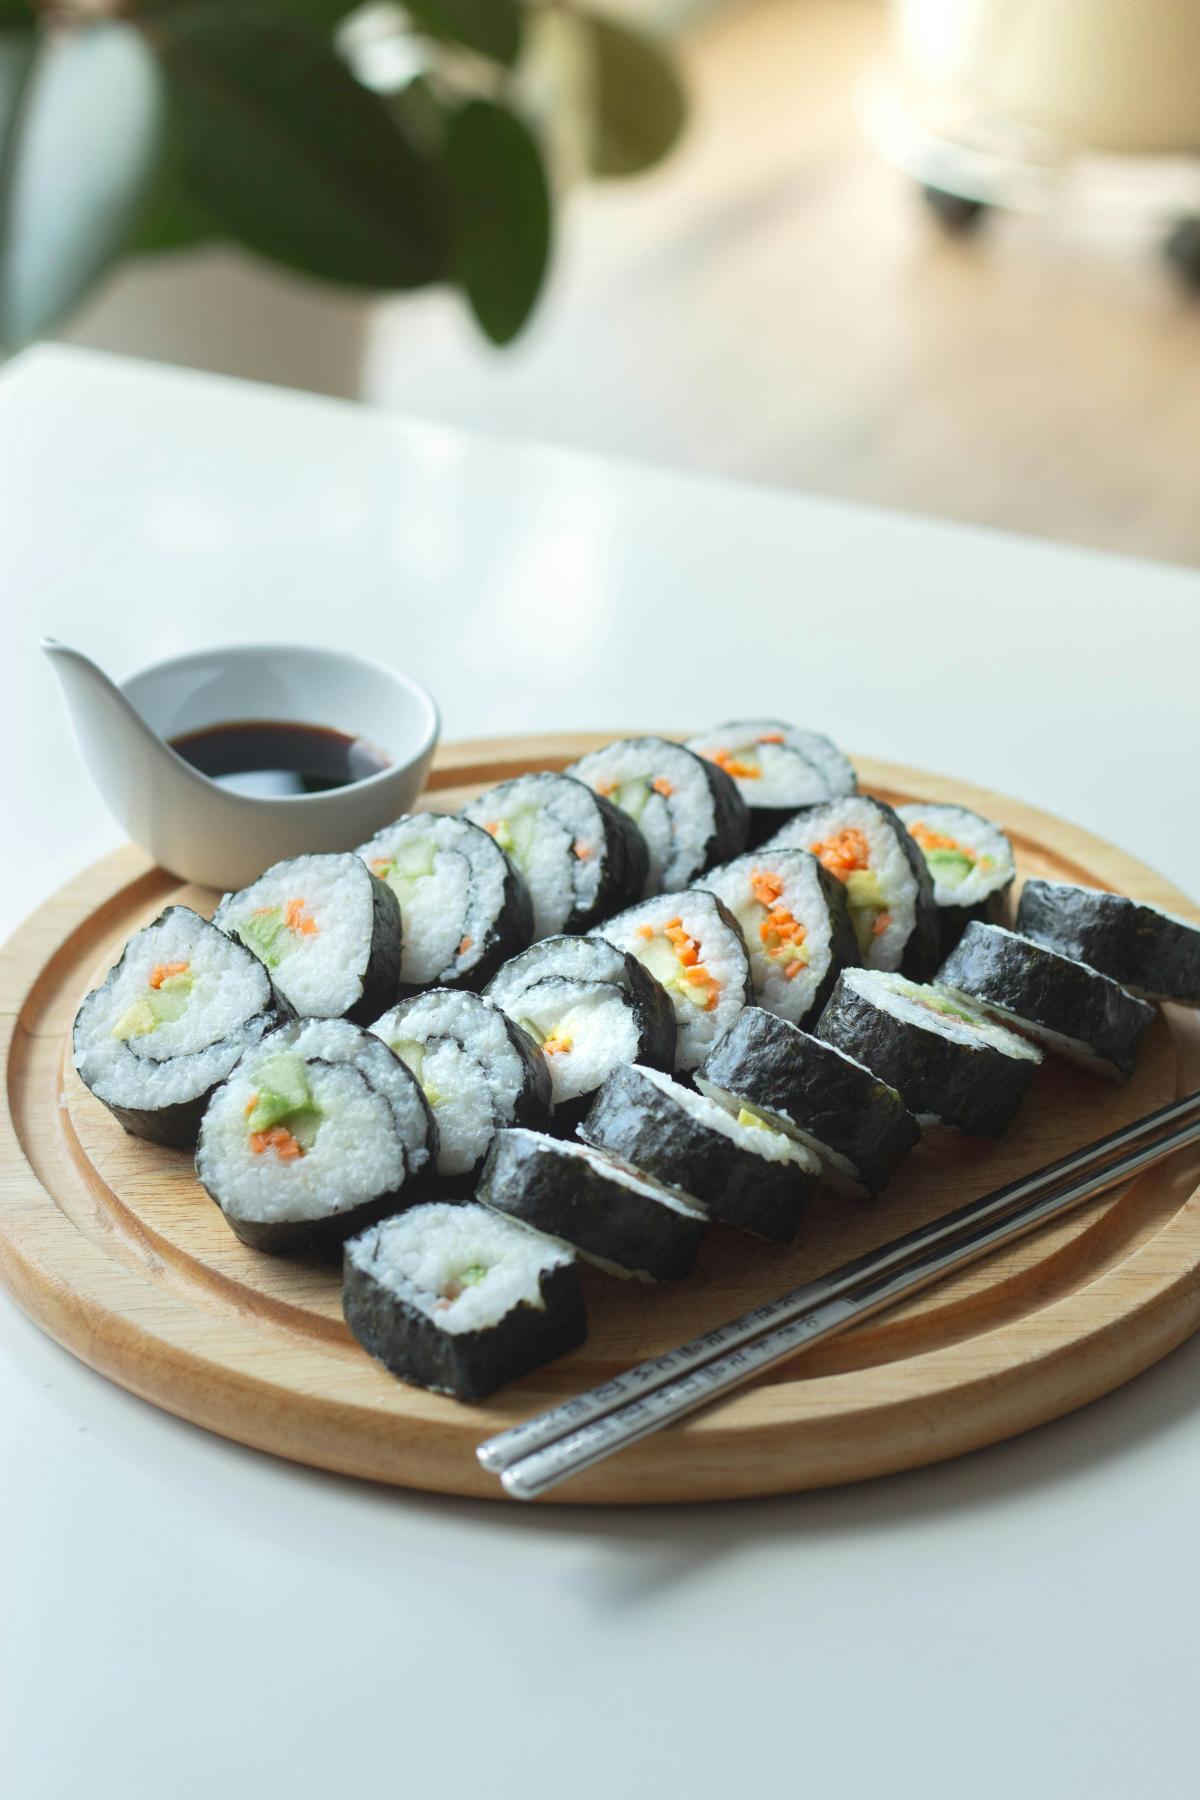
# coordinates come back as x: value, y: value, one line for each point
x: 888, y: 890
x: 461, y: 1300
x: 768, y: 1071
x: 465, y: 906
x: 330, y: 938
x: 949, y: 1061
x: 970, y: 863
x: 796, y: 923
x: 169, y: 1022
x: 477, y: 1070
x: 693, y: 946
x: 581, y: 857
x: 588, y: 1006
x: 319, y: 1131
x: 1067, y: 1006
x: 614, y: 1215
x: 1153, y: 953
x: 777, y: 768
x: 744, y: 1173
x: 688, y: 810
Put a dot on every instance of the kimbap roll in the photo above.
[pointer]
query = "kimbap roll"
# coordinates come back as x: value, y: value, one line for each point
x: 330, y: 938
x: 588, y: 1006
x: 581, y: 857
x: 461, y: 1300
x: 465, y: 906
x: 693, y: 946
x: 970, y: 863
x: 777, y: 768
x: 477, y: 1070
x: 888, y: 891
x: 1153, y: 953
x: 796, y: 923
x: 1070, y: 1008
x: 768, y: 1071
x: 741, y: 1172
x: 949, y: 1061
x: 169, y: 1022
x: 318, y: 1132
x: 614, y: 1215
x: 688, y: 810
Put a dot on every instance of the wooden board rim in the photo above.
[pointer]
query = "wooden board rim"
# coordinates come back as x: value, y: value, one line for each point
x: 971, y: 1392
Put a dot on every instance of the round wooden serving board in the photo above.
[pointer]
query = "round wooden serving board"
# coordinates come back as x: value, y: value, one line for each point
x: 112, y: 1246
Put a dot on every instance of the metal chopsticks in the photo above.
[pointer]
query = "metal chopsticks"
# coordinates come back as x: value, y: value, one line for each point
x: 536, y: 1456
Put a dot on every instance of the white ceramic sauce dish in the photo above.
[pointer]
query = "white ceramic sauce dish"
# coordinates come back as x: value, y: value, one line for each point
x: 208, y: 833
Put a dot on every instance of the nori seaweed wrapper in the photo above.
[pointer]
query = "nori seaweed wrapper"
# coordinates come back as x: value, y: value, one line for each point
x: 976, y: 1088
x: 539, y: 1181
x: 1149, y: 952
x: 797, y: 1081
x: 1036, y: 988
x: 382, y: 973
x: 467, y: 1365
x: 633, y: 1119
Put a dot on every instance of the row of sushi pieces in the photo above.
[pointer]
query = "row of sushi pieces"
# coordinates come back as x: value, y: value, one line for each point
x: 667, y: 1036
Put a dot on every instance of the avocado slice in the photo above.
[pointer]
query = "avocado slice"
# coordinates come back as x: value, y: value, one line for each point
x: 950, y: 867
x: 285, y: 1098
x: 631, y: 796
x: 260, y: 933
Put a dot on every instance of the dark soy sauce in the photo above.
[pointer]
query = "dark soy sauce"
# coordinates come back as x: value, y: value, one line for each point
x: 274, y: 757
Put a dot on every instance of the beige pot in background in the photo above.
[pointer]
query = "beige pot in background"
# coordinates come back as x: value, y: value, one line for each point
x: 1119, y: 76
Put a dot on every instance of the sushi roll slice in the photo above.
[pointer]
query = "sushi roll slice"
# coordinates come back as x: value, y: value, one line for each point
x: 768, y: 1071
x: 614, y: 1215
x: 970, y: 863
x: 477, y: 1070
x: 465, y: 906
x: 1067, y: 1006
x: 169, y: 1022
x: 588, y: 1006
x: 319, y: 1131
x: 461, y: 1300
x: 330, y: 938
x: 796, y: 923
x: 694, y: 947
x: 743, y: 1173
x: 581, y: 857
x: 949, y: 1061
x: 888, y: 890
x: 688, y: 810
x: 777, y: 768
x: 1153, y: 953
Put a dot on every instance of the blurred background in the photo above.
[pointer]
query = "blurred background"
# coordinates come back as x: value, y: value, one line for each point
x: 941, y: 255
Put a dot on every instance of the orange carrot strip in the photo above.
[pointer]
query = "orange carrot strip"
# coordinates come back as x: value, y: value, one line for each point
x: 662, y: 786
x: 881, y: 924
x: 583, y: 851
x: 465, y: 946
x: 296, y: 919
x: 771, y: 737
x: 645, y: 931
x: 793, y: 969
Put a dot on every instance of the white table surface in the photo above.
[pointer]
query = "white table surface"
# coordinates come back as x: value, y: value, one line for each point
x: 181, y: 1618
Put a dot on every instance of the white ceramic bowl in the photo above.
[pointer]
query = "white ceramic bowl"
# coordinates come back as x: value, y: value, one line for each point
x: 204, y: 832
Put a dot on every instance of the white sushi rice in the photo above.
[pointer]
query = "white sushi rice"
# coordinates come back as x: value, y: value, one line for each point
x: 450, y: 897
x: 181, y: 1058
x: 421, y: 1255
x: 356, y: 1154
x: 592, y: 1021
x: 802, y: 895
x: 986, y: 843
x: 677, y: 821
x: 470, y: 1072
x: 722, y: 954
x: 886, y: 860
x: 558, y: 842
x: 334, y: 1040
x: 772, y: 1146
x: 802, y: 770
x: 321, y: 972
x: 915, y: 1004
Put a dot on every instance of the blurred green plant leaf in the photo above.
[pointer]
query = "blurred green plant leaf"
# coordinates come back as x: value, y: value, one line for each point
x: 84, y: 113
x: 640, y: 107
x: 290, y: 155
x: 16, y: 15
x: 171, y: 217
x: 499, y: 215
x: 492, y: 27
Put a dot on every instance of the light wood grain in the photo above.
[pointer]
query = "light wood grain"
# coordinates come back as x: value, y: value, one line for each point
x: 112, y: 1247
